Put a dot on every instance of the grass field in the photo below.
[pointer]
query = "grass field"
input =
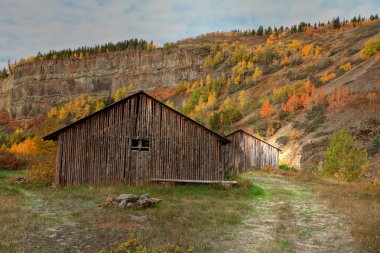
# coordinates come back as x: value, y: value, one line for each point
x: 275, y: 214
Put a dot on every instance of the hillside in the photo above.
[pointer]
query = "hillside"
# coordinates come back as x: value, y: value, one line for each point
x: 223, y: 79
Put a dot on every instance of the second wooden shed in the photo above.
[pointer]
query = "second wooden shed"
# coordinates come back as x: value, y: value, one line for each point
x: 249, y: 152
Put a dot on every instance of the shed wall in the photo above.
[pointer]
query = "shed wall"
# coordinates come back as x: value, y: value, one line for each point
x: 246, y: 152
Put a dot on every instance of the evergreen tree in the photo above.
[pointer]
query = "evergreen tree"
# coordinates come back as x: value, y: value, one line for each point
x: 336, y: 23
x: 260, y: 31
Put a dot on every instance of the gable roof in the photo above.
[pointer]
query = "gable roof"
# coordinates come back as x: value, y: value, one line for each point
x: 242, y: 131
x: 54, y: 135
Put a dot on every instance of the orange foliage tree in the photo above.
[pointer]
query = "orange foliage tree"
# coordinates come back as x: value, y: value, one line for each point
x: 292, y: 104
x: 339, y: 97
x: 266, y: 110
x: 28, y: 147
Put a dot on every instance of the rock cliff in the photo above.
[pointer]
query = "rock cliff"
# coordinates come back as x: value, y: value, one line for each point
x: 37, y: 86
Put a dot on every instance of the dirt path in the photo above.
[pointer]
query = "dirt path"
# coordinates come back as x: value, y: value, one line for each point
x: 60, y: 230
x: 289, y: 219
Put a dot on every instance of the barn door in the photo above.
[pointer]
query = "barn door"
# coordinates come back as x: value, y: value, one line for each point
x: 140, y: 161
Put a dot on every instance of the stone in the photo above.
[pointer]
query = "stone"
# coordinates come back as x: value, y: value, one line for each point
x: 141, y: 202
x: 21, y: 180
x: 127, y: 197
x: 145, y: 196
x: 53, y: 235
x: 130, y: 204
x: 144, y: 218
x: 122, y: 203
x: 153, y: 200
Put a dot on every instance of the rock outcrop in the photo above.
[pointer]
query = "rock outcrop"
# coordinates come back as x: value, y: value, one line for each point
x: 37, y: 86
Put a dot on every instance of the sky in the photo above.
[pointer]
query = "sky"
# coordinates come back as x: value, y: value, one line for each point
x: 31, y: 26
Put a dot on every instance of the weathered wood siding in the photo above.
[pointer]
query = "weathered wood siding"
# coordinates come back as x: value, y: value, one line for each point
x: 246, y: 152
x: 98, y: 149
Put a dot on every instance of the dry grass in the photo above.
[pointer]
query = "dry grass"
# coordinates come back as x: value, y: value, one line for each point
x: 288, y: 173
x: 360, y: 203
x: 38, y: 218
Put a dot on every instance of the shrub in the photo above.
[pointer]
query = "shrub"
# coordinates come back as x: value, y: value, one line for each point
x: 231, y: 174
x: 315, y: 124
x: 253, y: 120
x: 373, y: 146
x: 39, y: 158
x: 261, y: 126
x: 282, y: 140
x: 182, y: 87
x: 215, y: 122
x: 371, y: 48
x: 283, y: 115
x: 283, y: 166
x: 344, y: 158
x: 10, y: 161
x: 353, y: 51
x: 294, y: 134
x: 328, y: 77
x: 231, y: 115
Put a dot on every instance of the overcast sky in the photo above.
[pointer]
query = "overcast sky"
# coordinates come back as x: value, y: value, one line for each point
x: 30, y: 26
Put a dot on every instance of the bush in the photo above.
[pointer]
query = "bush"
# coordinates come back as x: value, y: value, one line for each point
x: 215, y: 122
x: 315, y: 124
x: 344, y: 158
x: 371, y: 48
x: 231, y: 174
x: 39, y: 156
x: 10, y: 161
x: 353, y: 51
x: 374, y: 146
x: 283, y: 166
x: 282, y: 140
x: 261, y: 126
x: 294, y: 134
x: 231, y: 115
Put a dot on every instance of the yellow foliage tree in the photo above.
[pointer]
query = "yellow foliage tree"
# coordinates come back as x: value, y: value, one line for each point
x: 257, y: 74
x: 242, y: 98
x: 346, y: 67
x: 99, y: 105
x: 27, y: 147
x: 328, y: 77
x: 307, y: 50
x: 170, y: 104
x: 122, y: 92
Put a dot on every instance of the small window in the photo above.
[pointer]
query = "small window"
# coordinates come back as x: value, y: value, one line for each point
x: 135, y: 144
x: 145, y: 143
x: 140, y: 144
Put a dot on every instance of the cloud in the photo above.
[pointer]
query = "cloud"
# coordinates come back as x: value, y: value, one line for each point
x: 28, y: 27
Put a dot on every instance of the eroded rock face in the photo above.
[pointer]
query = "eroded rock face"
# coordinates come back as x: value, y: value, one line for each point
x: 36, y: 87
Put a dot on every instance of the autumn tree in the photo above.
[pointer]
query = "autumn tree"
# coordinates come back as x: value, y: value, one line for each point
x: 257, y: 74
x: 266, y: 110
x: 100, y: 105
x: 292, y: 104
x: 122, y: 92
x: 344, y: 158
x: 242, y: 98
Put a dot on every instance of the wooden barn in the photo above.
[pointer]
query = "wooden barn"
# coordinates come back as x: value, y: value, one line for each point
x: 249, y: 152
x: 135, y: 140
